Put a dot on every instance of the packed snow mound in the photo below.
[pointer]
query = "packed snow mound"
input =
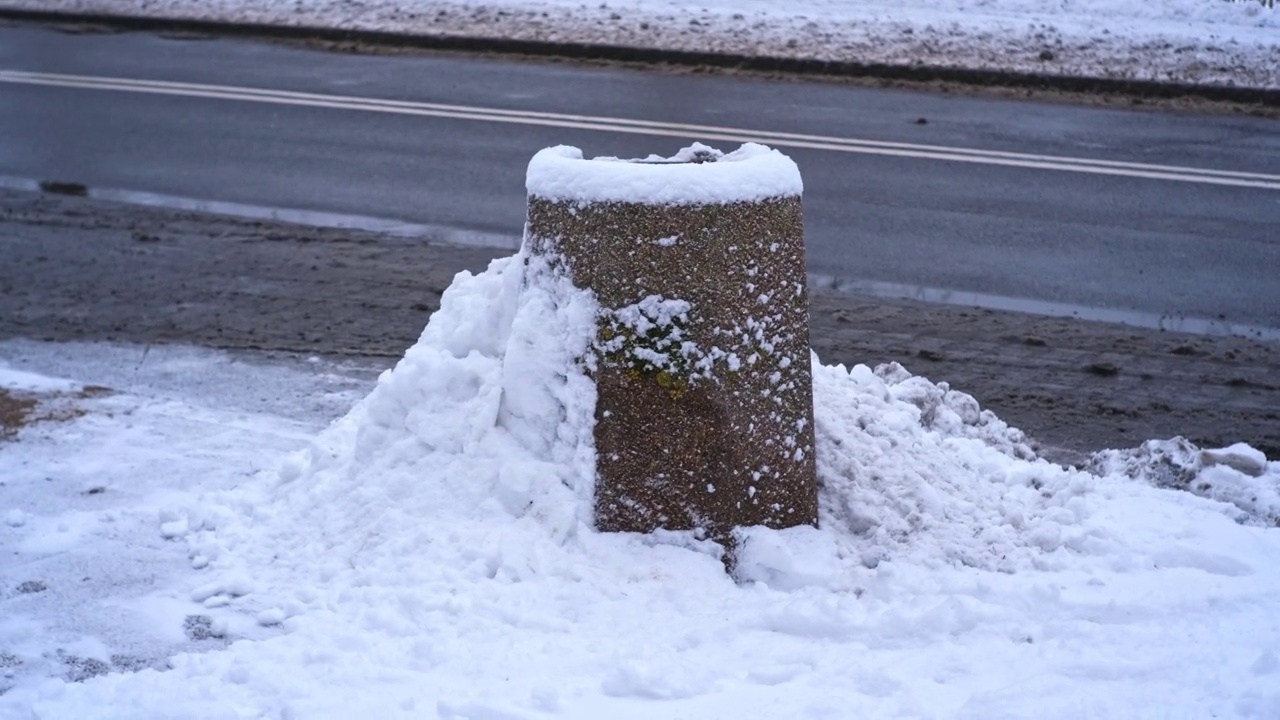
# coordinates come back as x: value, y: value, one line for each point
x: 697, y: 175
x: 954, y: 413
x: 1238, y: 476
x: 902, y: 471
x: 485, y: 431
x: 488, y: 418
x: 488, y: 421
x: 432, y: 552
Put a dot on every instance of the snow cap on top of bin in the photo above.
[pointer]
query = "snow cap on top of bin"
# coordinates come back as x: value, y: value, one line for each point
x: 697, y: 175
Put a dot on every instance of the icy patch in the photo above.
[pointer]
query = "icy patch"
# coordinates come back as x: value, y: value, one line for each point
x: 28, y: 382
x: 97, y: 578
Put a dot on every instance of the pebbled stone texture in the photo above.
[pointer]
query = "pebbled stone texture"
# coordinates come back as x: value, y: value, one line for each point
x: 733, y: 447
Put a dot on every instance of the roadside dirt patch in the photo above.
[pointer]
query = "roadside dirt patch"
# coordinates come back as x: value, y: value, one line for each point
x: 15, y: 412
x: 19, y: 409
x: 78, y: 269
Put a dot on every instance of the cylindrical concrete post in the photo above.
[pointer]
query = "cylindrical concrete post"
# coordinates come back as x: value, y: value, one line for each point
x: 704, y: 414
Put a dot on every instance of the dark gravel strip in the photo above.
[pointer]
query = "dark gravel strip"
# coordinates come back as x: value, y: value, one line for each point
x: 82, y: 269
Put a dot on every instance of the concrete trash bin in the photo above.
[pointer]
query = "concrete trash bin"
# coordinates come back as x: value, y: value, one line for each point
x: 704, y: 414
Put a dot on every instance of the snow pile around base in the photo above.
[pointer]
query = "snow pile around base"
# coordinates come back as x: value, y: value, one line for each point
x: 697, y: 175
x: 480, y: 425
x: 430, y: 555
x: 489, y: 417
x: 1194, y: 41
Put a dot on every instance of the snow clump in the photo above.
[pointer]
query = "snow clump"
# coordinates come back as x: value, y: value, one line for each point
x: 1238, y: 476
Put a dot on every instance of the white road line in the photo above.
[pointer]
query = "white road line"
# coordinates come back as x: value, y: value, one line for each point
x: 638, y: 123
x: 652, y: 128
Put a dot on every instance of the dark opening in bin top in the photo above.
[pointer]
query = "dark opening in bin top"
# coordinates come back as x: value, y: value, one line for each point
x: 699, y: 155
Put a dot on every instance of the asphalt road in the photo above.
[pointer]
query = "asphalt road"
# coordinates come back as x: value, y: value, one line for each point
x: 935, y: 228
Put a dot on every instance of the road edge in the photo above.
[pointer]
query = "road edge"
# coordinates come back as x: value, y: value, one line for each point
x: 1265, y: 97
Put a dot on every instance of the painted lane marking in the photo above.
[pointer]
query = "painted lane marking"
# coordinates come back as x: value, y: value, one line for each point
x: 374, y: 102
x: 653, y: 128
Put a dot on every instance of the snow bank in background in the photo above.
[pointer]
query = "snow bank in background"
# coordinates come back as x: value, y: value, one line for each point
x: 696, y: 175
x: 1195, y: 41
x: 429, y: 553
x: 1238, y: 475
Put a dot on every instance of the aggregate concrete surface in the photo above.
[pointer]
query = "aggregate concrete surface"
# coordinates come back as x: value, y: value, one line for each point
x: 80, y: 269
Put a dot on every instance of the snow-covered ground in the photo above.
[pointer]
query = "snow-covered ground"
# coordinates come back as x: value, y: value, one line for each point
x: 1194, y: 41
x: 199, y: 543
